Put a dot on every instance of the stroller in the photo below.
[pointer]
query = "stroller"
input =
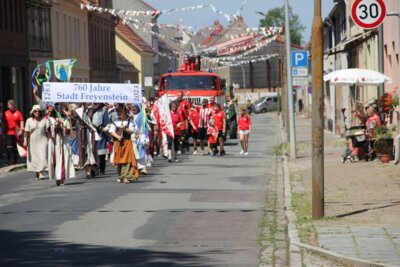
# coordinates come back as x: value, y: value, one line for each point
x: 358, y: 140
x: 356, y: 135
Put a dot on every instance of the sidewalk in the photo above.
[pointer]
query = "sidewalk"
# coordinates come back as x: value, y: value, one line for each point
x: 4, y: 168
x: 362, y: 203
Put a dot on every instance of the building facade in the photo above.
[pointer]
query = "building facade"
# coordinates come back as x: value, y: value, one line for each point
x: 102, y: 57
x: 70, y: 37
x: 139, y: 54
x: 13, y: 52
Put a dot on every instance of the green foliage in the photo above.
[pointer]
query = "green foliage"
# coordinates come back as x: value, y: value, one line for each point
x: 281, y: 149
x: 276, y: 18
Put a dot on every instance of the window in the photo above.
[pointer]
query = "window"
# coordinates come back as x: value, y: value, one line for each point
x: 85, y: 44
x: 75, y: 35
x: 78, y: 35
x: 189, y: 82
x: 70, y: 33
x: 65, y: 33
x: 58, y: 31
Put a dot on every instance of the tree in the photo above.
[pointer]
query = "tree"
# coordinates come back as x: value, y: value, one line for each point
x: 276, y: 18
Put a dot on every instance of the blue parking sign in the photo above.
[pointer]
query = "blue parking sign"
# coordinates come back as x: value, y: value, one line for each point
x: 299, y: 58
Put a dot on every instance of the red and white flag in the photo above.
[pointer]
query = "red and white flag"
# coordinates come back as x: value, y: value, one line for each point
x: 163, y: 115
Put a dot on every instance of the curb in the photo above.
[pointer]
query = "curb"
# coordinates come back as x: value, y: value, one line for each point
x: 12, y: 168
x: 295, y: 245
x: 342, y: 258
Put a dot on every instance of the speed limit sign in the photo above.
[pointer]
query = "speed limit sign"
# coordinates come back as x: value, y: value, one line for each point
x: 368, y: 14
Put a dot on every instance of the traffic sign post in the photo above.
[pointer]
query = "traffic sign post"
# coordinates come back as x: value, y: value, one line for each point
x: 368, y: 14
x: 299, y: 59
x: 298, y: 81
x: 299, y: 72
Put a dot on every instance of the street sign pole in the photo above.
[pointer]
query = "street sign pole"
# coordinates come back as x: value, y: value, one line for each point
x: 398, y: 41
x: 292, y: 134
x: 318, y: 201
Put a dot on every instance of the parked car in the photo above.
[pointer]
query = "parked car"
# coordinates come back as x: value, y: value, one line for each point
x: 266, y: 103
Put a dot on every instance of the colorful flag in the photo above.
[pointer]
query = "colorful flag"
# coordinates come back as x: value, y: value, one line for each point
x: 163, y: 115
x: 63, y: 69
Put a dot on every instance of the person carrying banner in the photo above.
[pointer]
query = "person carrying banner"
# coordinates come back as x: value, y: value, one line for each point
x: 100, y: 121
x: 124, y: 158
x: 87, y: 137
x: 60, y: 163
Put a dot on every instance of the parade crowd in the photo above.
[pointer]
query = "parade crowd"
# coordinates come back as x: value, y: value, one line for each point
x: 59, y: 139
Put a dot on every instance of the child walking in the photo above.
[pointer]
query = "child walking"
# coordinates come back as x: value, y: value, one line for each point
x: 244, y: 129
x: 212, y: 133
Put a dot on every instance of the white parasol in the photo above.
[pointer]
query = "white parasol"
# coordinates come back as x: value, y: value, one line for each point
x: 356, y: 77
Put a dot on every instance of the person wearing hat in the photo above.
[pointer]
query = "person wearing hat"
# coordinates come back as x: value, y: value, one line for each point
x: 14, y: 127
x: 35, y: 139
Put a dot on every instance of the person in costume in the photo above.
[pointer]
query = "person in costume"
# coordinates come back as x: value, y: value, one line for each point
x: 36, y: 141
x: 60, y: 162
x: 124, y: 158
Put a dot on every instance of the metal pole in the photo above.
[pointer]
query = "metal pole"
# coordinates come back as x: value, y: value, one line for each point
x: 292, y: 134
x: 380, y: 57
x: 317, y: 114
x: 244, y: 85
x: 244, y: 77
x: 398, y: 42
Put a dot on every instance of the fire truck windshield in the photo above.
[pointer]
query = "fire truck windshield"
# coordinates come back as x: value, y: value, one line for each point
x: 189, y: 82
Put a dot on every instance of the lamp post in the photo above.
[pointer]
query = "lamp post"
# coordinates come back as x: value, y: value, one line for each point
x: 289, y: 91
x: 317, y: 114
x: 398, y: 42
x: 244, y: 84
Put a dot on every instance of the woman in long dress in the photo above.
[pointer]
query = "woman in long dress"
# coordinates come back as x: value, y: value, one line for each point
x: 141, y: 141
x: 35, y: 139
x: 124, y: 158
x: 61, y: 166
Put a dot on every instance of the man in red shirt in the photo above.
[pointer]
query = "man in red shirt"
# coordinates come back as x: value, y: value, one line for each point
x: 177, y: 122
x: 211, y: 105
x: 220, y: 123
x: 184, y: 109
x: 14, y: 128
x: 194, y: 118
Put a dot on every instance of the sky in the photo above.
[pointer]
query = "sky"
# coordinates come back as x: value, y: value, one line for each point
x: 205, y: 17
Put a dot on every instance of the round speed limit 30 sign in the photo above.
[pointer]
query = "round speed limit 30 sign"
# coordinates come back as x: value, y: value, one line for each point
x: 368, y: 14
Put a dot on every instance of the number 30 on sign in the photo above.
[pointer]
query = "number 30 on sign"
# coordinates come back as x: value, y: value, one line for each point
x: 368, y: 14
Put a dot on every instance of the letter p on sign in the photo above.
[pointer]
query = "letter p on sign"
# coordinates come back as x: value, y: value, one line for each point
x: 299, y: 59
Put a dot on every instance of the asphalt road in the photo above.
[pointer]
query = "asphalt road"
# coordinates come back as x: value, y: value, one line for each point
x: 203, y: 211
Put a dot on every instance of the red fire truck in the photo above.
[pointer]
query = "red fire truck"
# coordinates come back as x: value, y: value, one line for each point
x: 194, y: 83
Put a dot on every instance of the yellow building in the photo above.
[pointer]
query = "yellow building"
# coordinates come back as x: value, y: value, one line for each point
x: 69, y: 30
x: 139, y: 53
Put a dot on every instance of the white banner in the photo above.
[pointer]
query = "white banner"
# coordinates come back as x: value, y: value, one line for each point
x: 163, y: 115
x: 92, y: 92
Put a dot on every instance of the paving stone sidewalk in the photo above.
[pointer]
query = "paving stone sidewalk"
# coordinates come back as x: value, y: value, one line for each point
x: 362, y: 201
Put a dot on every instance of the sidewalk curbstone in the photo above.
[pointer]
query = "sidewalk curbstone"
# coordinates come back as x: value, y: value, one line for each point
x: 12, y: 168
x: 297, y: 255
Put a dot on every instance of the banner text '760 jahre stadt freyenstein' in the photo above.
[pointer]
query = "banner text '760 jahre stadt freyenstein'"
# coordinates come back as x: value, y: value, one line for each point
x: 92, y: 92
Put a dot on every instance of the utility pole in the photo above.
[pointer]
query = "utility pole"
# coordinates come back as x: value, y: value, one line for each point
x: 318, y: 198
x: 292, y: 134
x: 398, y: 41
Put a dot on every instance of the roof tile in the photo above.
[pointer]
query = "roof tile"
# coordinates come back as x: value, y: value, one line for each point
x: 134, y: 39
